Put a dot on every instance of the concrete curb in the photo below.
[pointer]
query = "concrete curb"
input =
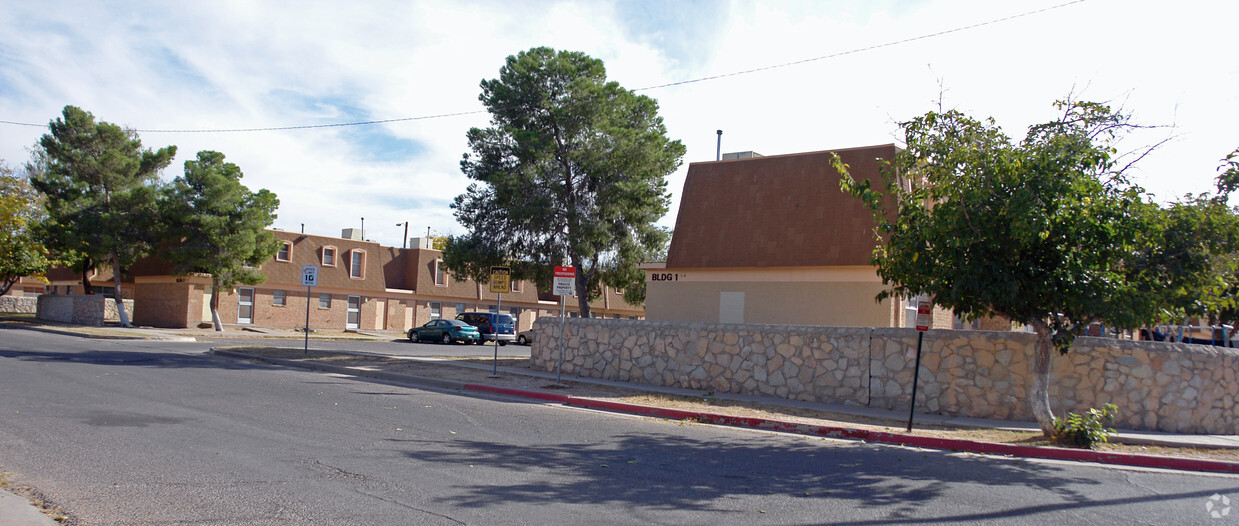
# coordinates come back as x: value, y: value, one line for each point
x: 972, y: 446
x: 68, y: 331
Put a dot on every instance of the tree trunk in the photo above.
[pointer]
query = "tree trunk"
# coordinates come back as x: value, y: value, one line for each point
x: 582, y: 288
x: 1039, y: 395
x: 219, y: 325
x: 86, y: 264
x: 120, y: 302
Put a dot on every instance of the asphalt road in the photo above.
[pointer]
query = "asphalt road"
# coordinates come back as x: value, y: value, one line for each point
x: 124, y: 432
x: 399, y: 347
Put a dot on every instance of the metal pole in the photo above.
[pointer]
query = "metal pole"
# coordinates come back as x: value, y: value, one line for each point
x: 498, y: 310
x: 718, y: 152
x: 916, y: 375
x: 563, y: 326
x: 307, y: 320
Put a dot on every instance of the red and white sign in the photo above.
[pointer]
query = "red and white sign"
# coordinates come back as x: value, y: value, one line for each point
x: 565, y: 278
x: 923, y: 315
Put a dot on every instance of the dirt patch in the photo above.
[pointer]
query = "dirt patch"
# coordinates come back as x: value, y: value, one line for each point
x: 469, y: 370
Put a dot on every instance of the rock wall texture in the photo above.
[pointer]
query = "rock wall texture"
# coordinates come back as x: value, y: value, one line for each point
x: 1157, y: 386
x: 21, y: 304
x: 91, y: 309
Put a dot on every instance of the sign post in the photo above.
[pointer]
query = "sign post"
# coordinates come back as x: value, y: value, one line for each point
x: 923, y: 318
x: 309, y: 279
x: 565, y: 278
x: 500, y: 282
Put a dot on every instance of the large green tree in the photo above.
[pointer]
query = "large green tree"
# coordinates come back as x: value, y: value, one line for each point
x: 21, y: 208
x: 1043, y: 232
x: 216, y: 226
x: 572, y: 169
x: 101, y: 194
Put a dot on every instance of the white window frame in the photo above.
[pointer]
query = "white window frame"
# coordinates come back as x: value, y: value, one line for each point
x: 335, y: 256
x: 279, y: 298
x: 436, y: 310
x: 287, y: 250
x: 440, y: 274
x: 355, y: 270
x: 324, y: 296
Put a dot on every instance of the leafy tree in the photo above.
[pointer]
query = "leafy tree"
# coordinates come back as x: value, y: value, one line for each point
x: 572, y: 169
x: 1042, y: 232
x: 101, y: 194
x: 1189, y: 258
x: 21, y: 253
x: 217, y: 226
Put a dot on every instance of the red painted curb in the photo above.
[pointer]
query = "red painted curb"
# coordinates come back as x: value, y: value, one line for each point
x: 523, y: 393
x: 972, y: 446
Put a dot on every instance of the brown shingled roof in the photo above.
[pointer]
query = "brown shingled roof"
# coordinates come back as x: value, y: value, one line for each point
x: 776, y: 211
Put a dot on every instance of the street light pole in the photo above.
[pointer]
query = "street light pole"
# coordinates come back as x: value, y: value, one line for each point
x: 405, y: 244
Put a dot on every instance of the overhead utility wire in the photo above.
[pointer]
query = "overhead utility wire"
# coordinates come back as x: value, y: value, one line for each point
x: 680, y: 83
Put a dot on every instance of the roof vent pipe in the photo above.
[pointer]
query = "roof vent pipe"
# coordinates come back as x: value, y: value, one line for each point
x: 718, y: 152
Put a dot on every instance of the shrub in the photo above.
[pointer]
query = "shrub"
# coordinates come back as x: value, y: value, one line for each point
x: 1085, y: 430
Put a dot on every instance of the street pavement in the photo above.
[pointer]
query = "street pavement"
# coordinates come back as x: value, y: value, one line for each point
x: 16, y: 514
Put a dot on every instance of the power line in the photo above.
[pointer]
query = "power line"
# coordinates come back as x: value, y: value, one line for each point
x: 680, y: 83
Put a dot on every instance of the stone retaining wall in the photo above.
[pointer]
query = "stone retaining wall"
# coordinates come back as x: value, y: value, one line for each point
x: 1157, y: 386
x: 90, y: 309
x: 19, y: 304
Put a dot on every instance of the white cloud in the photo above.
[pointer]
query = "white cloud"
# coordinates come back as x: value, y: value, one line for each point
x: 252, y: 65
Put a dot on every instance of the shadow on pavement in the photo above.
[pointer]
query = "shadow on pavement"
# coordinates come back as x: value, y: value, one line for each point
x: 134, y: 358
x: 649, y: 470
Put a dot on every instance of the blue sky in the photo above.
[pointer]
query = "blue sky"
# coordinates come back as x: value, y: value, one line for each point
x: 236, y: 65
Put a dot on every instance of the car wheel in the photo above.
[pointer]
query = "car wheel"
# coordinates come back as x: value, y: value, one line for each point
x: 447, y: 338
x: 412, y: 335
x: 502, y: 343
x: 521, y: 340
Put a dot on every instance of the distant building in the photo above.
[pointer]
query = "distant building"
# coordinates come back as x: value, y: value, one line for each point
x: 361, y: 286
x: 773, y: 240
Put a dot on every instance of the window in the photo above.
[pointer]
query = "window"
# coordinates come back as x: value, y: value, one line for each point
x: 324, y: 301
x: 440, y: 274
x: 285, y: 253
x: 436, y: 310
x: 909, y: 316
x: 357, y: 264
x: 515, y: 312
x: 278, y: 298
x: 516, y: 285
x: 329, y: 256
x: 573, y: 314
x: 460, y: 308
x: 493, y: 309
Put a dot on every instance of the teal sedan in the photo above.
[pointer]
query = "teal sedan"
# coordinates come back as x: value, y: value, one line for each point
x: 446, y: 331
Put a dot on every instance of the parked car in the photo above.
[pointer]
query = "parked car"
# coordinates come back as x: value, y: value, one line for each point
x: 446, y: 331
x: 524, y: 337
x: 493, y: 326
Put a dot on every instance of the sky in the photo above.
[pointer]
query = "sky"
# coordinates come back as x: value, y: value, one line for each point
x: 778, y: 77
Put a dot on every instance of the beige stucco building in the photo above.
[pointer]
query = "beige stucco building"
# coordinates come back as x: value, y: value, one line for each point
x: 773, y: 240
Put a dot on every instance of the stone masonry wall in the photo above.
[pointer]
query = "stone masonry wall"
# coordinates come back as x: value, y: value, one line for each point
x: 19, y: 304
x: 1157, y: 386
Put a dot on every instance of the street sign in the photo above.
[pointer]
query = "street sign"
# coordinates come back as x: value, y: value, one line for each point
x: 500, y: 279
x: 309, y: 276
x: 565, y: 278
x: 924, y: 317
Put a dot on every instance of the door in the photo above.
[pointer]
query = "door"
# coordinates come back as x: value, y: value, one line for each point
x: 245, y: 305
x: 354, y: 312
